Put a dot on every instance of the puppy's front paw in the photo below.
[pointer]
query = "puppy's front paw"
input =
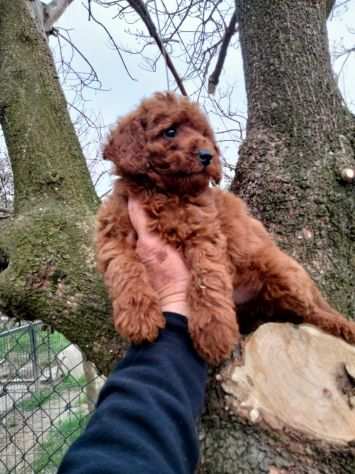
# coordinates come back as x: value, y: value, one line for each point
x: 216, y: 339
x: 140, y: 322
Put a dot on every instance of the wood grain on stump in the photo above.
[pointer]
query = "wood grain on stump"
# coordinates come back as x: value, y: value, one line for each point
x: 296, y: 378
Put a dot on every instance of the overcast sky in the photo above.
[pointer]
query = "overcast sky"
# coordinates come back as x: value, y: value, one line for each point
x: 123, y: 93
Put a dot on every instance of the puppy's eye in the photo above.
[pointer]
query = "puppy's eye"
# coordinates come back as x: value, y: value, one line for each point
x: 170, y: 132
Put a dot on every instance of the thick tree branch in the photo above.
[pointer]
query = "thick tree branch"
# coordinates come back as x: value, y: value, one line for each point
x: 46, y: 16
x: 47, y: 263
x: 53, y: 11
x: 33, y: 129
x: 142, y: 11
x: 214, y: 77
x: 36, y: 9
x: 329, y: 7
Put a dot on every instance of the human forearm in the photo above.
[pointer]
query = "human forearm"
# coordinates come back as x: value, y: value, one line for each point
x: 145, y: 421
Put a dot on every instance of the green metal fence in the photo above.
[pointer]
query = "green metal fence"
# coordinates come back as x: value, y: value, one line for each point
x: 47, y: 391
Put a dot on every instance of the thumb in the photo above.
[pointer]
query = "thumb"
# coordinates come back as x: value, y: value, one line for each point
x: 138, y: 217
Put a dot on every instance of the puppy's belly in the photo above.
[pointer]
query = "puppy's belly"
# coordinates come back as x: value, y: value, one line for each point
x: 242, y: 294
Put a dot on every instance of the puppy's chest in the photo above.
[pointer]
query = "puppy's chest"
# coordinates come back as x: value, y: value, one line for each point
x: 188, y: 225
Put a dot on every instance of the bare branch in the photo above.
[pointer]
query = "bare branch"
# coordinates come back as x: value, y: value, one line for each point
x: 93, y: 73
x: 53, y: 11
x: 142, y: 11
x: 214, y: 77
x: 115, y: 45
x: 106, y: 193
x: 329, y: 7
x: 100, y: 176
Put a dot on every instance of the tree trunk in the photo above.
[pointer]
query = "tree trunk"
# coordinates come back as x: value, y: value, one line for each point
x: 46, y: 248
x: 300, y: 138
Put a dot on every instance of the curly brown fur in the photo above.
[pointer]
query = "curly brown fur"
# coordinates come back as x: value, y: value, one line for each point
x: 226, y: 249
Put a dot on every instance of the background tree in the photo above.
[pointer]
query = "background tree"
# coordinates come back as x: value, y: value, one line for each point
x: 297, y: 161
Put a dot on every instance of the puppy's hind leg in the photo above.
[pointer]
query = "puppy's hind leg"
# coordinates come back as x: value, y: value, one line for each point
x: 289, y: 286
x: 328, y: 319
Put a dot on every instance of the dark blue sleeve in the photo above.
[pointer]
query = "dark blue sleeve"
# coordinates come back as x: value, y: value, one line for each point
x: 147, y: 413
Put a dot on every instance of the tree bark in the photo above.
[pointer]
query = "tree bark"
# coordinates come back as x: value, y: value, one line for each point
x: 47, y: 246
x: 299, y: 138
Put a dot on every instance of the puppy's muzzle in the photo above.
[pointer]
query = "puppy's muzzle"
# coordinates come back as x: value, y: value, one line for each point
x: 205, y: 157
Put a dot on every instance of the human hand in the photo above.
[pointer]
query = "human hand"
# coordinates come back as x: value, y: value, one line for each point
x: 165, y: 266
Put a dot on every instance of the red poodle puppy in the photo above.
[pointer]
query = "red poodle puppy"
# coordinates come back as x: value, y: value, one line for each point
x: 166, y: 156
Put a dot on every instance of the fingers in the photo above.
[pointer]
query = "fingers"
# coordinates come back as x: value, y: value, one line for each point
x: 149, y: 248
x: 138, y: 217
x: 148, y: 243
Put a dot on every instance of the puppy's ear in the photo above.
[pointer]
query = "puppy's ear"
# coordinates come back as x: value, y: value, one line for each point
x: 126, y: 147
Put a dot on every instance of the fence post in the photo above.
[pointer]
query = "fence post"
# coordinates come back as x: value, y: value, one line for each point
x: 90, y: 387
x: 34, y: 356
x: 49, y: 358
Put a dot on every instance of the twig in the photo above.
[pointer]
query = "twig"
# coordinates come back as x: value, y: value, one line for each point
x: 87, y: 119
x: 214, y: 77
x: 115, y: 45
x: 142, y: 11
x: 101, y: 175
x: 57, y: 33
x: 105, y: 193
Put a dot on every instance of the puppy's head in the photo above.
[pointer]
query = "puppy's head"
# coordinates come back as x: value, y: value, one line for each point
x: 167, y: 141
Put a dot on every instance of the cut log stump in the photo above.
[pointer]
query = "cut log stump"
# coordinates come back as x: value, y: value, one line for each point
x: 296, y: 379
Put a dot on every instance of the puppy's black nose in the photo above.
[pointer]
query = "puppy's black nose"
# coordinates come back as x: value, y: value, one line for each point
x: 205, y: 156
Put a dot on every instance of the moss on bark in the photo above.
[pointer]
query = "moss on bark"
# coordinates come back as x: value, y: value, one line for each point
x: 46, y: 157
x: 48, y: 244
x: 299, y: 138
x: 51, y: 276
